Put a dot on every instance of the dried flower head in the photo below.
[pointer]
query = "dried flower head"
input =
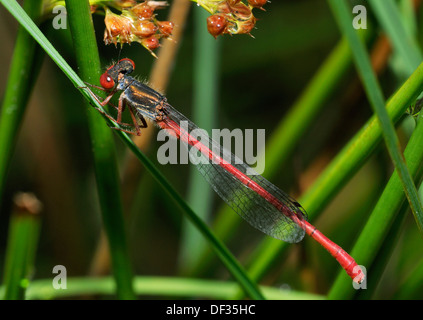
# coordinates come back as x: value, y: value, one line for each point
x: 118, y: 28
x: 136, y: 23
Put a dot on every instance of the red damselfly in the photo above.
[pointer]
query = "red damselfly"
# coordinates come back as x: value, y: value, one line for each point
x: 254, y: 198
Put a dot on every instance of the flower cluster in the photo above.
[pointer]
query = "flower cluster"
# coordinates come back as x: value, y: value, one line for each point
x: 231, y: 16
x: 136, y: 23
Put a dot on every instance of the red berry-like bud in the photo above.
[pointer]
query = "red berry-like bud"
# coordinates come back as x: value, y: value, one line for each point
x: 150, y: 43
x: 165, y: 27
x: 144, y: 28
x: 257, y: 3
x: 143, y: 11
x: 216, y: 24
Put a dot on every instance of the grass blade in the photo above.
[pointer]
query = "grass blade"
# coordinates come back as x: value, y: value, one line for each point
x: 411, y: 287
x: 388, y: 15
x: 200, y: 195
x: 105, y: 160
x: 384, y: 213
x: 375, y: 96
x: 21, y: 245
x: 155, y: 286
x: 22, y: 75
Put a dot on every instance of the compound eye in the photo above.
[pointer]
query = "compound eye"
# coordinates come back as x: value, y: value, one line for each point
x: 107, y: 81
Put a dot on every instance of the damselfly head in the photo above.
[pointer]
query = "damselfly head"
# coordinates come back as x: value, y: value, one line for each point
x: 109, y: 78
x: 125, y: 66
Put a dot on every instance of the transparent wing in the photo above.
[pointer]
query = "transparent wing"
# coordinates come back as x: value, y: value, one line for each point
x: 254, y: 198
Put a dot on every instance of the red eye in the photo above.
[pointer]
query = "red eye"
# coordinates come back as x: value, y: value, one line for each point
x: 106, y: 81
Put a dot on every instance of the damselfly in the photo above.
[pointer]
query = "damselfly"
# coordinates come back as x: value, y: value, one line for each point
x: 254, y: 198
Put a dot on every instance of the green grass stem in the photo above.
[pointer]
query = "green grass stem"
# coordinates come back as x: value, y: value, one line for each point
x: 377, y: 227
x: 21, y: 246
x: 388, y: 15
x: 104, y: 153
x: 22, y: 74
x: 205, y: 93
x: 375, y: 96
x: 155, y: 286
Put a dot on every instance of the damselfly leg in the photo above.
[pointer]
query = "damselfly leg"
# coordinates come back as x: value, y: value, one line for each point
x: 136, y: 125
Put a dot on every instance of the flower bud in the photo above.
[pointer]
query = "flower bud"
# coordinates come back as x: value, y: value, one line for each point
x: 150, y: 43
x: 143, y: 11
x: 118, y: 28
x: 257, y: 3
x: 165, y: 27
x: 144, y: 28
x: 114, y: 25
x: 216, y: 24
x: 223, y: 7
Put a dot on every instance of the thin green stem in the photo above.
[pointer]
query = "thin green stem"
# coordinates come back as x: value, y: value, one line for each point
x: 375, y: 96
x: 413, y: 283
x: 23, y: 72
x: 383, y: 257
x: 155, y: 286
x: 21, y: 246
x: 206, y: 71
x: 406, y: 46
x: 105, y: 162
x: 384, y: 213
